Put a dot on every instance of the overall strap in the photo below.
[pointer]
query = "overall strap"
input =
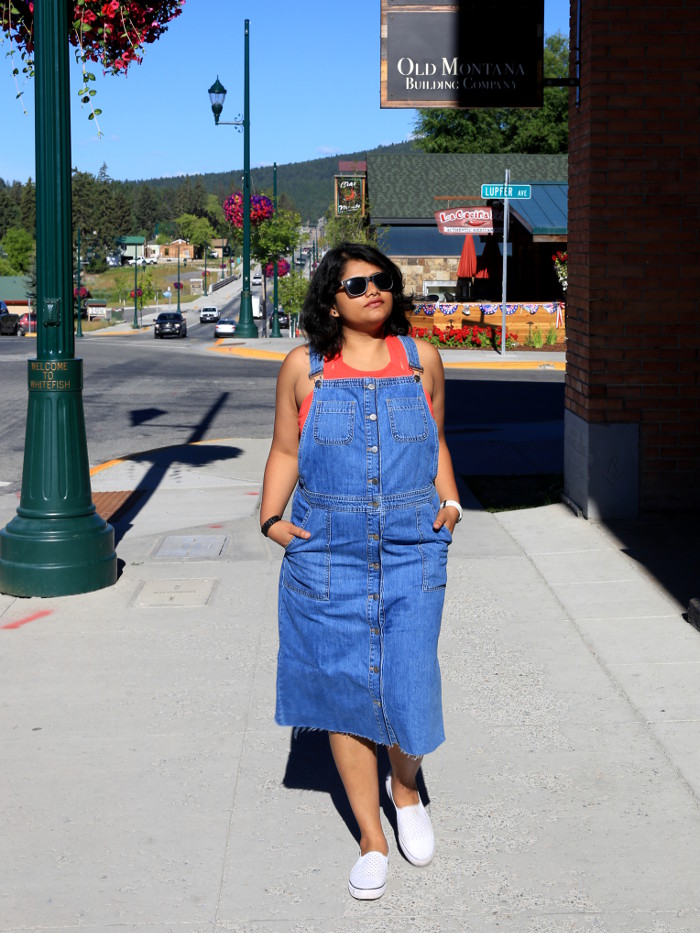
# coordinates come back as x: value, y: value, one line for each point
x: 409, y: 345
x: 315, y: 363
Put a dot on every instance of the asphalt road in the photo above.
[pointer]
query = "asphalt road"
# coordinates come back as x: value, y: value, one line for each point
x: 140, y: 393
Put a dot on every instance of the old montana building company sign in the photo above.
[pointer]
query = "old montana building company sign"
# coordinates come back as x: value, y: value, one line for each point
x: 462, y: 54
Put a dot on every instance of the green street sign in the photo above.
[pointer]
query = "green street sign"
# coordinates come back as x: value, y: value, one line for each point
x: 513, y: 191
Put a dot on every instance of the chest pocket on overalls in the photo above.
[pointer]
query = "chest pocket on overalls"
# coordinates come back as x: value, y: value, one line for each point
x: 334, y: 422
x: 407, y: 419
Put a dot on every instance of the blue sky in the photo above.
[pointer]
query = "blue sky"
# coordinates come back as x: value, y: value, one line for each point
x: 314, y: 91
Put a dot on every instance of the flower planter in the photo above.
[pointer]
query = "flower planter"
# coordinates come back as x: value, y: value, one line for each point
x: 521, y: 317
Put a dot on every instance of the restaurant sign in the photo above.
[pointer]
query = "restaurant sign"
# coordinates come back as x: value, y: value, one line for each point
x: 465, y: 220
x: 466, y: 54
x: 349, y: 195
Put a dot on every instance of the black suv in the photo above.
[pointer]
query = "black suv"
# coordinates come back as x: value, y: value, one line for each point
x: 170, y: 324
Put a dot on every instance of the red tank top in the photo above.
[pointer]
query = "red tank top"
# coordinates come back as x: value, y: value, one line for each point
x: 337, y: 369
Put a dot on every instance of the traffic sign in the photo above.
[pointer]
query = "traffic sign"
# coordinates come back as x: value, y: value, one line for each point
x: 512, y: 191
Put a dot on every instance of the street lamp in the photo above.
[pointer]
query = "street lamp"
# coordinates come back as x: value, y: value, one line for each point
x: 79, y: 328
x: 178, y: 277
x: 135, y: 325
x: 57, y: 544
x: 275, y: 332
x: 217, y: 93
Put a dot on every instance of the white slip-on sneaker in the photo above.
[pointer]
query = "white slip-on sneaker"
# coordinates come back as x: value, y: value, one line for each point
x: 367, y: 879
x: 416, y: 836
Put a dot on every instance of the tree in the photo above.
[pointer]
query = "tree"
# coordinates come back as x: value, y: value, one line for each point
x: 540, y: 130
x: 9, y: 210
x: 350, y: 228
x: 214, y: 213
x: 292, y: 291
x: 274, y: 238
x: 146, y: 210
x: 19, y: 247
x: 197, y: 230
x: 27, y: 208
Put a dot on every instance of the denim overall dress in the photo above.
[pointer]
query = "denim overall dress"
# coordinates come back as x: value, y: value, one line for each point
x: 360, y: 601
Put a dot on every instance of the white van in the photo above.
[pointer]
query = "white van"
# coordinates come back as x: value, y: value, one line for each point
x: 257, y: 308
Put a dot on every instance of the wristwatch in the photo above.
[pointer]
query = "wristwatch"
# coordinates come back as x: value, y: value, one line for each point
x: 455, y: 505
x: 265, y: 527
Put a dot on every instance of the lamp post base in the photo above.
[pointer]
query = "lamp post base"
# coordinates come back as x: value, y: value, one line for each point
x: 55, y: 556
x: 56, y: 544
x: 246, y: 326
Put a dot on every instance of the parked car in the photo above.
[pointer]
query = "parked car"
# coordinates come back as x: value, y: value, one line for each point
x: 225, y: 328
x: 257, y: 279
x: 9, y: 323
x: 170, y: 324
x: 27, y: 322
x: 282, y: 317
x: 143, y: 261
x: 207, y: 315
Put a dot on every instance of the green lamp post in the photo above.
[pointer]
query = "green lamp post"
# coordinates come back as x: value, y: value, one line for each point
x: 275, y: 332
x: 179, y: 286
x: 135, y: 325
x: 206, y: 250
x: 79, y: 326
x: 246, y: 326
x: 57, y: 544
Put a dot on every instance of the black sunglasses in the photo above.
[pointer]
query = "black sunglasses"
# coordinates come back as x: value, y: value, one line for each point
x: 357, y: 285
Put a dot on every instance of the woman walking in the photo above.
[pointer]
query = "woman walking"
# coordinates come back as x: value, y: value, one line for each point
x: 359, y: 433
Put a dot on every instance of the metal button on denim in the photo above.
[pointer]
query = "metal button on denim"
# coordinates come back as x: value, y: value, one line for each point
x: 372, y: 417
x: 370, y: 385
x: 373, y: 449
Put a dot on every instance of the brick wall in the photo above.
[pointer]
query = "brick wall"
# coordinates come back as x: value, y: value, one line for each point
x: 633, y: 303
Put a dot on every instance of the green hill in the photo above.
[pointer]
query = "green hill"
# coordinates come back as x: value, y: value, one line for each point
x: 309, y: 185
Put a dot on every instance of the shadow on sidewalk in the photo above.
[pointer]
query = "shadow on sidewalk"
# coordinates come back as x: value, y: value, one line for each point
x: 310, y: 766
x: 191, y: 453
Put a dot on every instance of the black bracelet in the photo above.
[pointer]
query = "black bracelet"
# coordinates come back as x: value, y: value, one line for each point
x: 269, y: 523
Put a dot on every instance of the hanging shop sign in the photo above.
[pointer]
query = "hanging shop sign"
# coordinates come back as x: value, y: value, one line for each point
x: 468, y: 54
x: 465, y: 220
x: 349, y: 195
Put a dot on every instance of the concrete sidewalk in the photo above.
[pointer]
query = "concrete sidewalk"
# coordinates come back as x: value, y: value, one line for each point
x: 146, y: 787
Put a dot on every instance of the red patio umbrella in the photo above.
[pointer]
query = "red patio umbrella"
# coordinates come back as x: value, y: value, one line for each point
x: 467, y: 260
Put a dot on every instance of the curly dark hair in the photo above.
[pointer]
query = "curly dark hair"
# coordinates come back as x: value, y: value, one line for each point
x: 324, y: 332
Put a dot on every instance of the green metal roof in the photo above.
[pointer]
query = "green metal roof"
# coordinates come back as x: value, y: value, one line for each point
x: 403, y: 187
x: 13, y: 287
x: 131, y: 240
x: 545, y: 214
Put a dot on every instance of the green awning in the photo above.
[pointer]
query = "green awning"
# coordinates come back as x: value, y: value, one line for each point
x: 545, y: 214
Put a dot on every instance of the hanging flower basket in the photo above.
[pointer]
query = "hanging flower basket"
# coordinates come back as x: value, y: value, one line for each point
x: 112, y: 34
x: 561, y: 267
x: 282, y: 269
x: 177, y: 285
x: 136, y: 293
x: 81, y: 292
x: 261, y: 209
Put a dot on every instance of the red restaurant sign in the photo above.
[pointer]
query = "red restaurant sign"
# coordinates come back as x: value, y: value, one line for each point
x: 465, y: 220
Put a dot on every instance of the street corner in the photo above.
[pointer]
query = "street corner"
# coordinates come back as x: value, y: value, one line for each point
x: 246, y: 352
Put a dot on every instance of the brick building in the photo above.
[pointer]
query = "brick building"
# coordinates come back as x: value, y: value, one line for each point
x: 632, y: 420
